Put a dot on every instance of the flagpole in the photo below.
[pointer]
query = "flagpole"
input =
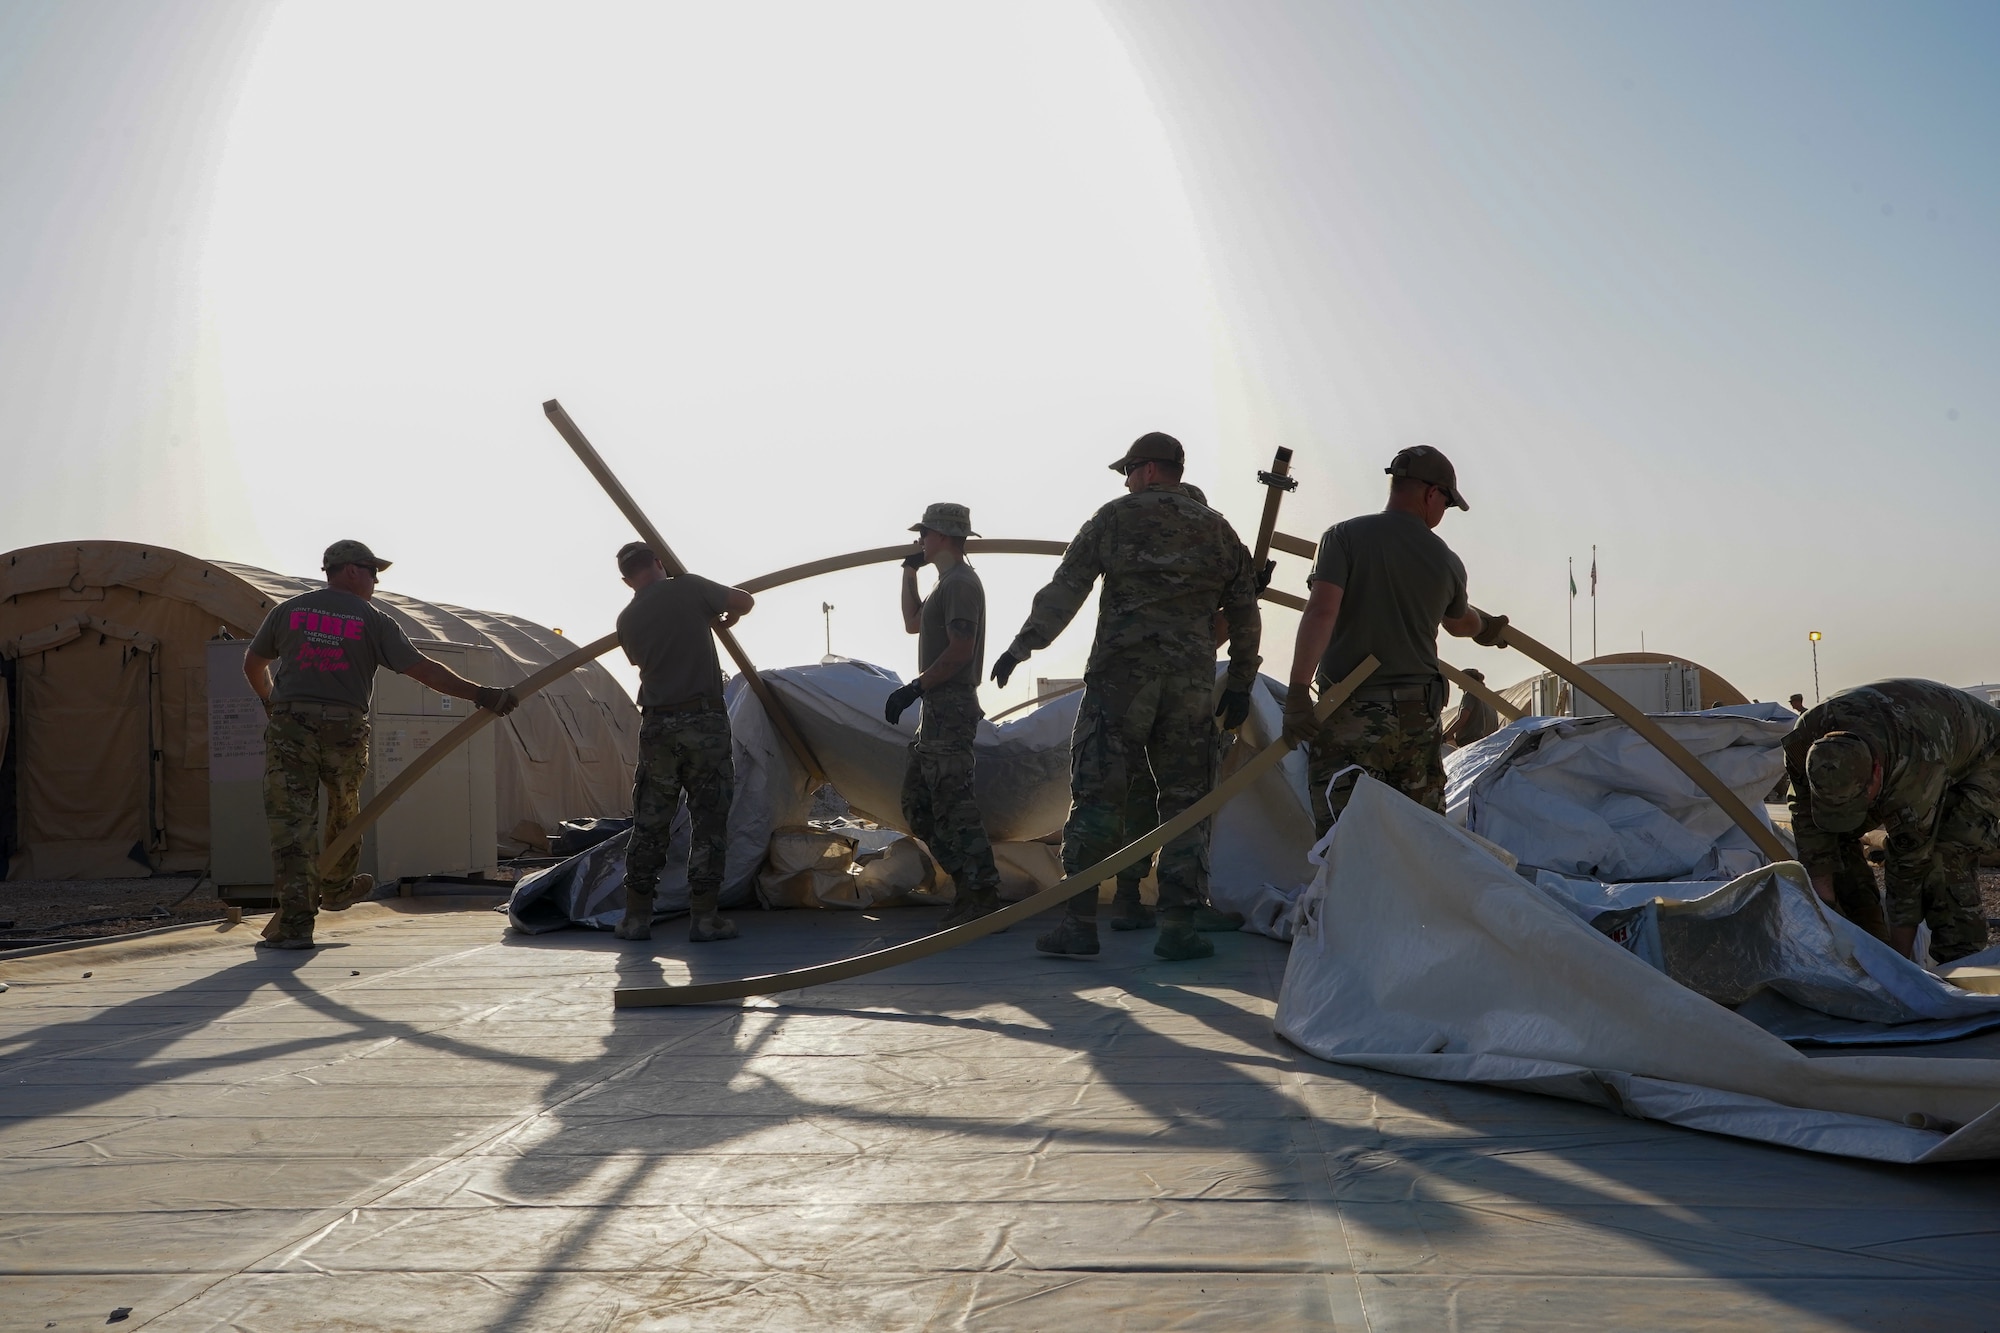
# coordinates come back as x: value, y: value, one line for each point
x: 1593, y: 599
x: 1572, y: 608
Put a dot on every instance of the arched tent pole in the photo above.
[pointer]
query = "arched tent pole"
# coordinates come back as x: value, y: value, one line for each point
x: 1038, y: 699
x: 634, y: 997
x: 454, y: 738
x: 878, y: 555
x: 554, y: 671
x: 1676, y: 753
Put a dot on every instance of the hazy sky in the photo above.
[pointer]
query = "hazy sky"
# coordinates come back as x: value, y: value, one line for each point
x: 1709, y: 286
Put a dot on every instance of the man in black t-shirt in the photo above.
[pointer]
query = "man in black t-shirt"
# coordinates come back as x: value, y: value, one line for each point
x: 326, y: 645
x: 684, y: 741
x: 1383, y: 584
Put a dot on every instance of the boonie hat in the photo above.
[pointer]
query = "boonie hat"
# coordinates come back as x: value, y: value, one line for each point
x: 1152, y: 447
x: 351, y: 553
x: 1423, y: 463
x: 1838, y: 768
x: 947, y: 520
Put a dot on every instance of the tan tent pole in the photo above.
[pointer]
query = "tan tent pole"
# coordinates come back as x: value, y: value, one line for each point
x: 876, y: 555
x: 454, y: 738
x: 1277, y: 482
x: 1732, y: 805
x: 780, y: 716
x: 1480, y: 689
x: 1040, y: 699
x: 635, y: 997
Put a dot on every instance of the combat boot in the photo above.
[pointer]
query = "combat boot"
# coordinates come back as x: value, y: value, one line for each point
x: 1178, y: 940
x: 283, y: 943
x: 354, y: 891
x: 706, y: 923
x: 1208, y: 917
x: 1076, y: 937
x: 637, y: 923
x: 1127, y: 912
x: 970, y: 905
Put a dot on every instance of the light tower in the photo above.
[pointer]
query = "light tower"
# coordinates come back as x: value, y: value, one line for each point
x: 1814, y: 636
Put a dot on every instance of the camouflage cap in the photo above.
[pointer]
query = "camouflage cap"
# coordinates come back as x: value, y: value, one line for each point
x: 1152, y: 447
x: 1423, y: 463
x: 1838, y: 769
x: 947, y: 520
x: 351, y: 553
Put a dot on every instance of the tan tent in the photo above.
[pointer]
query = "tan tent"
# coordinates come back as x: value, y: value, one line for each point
x: 104, y: 719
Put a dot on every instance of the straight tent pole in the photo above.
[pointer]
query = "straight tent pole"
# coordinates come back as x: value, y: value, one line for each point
x: 1677, y: 754
x: 637, y: 997
x: 780, y: 716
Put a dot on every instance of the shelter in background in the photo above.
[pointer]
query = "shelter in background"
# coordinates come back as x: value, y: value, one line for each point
x: 104, y: 715
x: 1548, y: 695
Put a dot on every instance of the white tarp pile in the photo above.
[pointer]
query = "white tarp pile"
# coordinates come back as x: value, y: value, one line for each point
x: 1418, y: 952
x: 1021, y: 777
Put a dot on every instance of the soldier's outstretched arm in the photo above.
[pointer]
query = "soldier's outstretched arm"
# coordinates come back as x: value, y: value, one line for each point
x: 1058, y: 602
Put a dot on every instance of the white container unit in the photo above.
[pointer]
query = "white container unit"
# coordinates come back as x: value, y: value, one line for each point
x: 445, y: 825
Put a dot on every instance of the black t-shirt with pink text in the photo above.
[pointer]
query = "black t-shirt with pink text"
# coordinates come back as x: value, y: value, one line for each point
x: 326, y: 645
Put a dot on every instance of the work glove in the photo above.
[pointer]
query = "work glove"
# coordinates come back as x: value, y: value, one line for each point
x: 1492, y: 631
x: 899, y: 699
x: 1003, y: 668
x: 1234, y: 710
x: 496, y: 700
x: 915, y: 559
x: 1264, y: 575
x: 1300, y: 724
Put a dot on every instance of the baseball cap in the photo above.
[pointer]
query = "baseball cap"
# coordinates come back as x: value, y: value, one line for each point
x: 351, y: 552
x: 634, y: 555
x: 1423, y: 463
x: 946, y: 519
x: 1838, y: 768
x: 1152, y: 447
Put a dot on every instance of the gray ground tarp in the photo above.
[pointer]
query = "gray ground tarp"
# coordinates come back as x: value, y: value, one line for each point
x: 1419, y: 953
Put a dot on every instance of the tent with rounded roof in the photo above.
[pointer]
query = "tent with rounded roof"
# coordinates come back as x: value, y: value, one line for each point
x: 104, y: 715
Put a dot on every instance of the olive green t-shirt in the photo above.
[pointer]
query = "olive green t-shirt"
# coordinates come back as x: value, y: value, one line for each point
x: 959, y: 600
x: 326, y: 645
x: 1398, y: 580
x: 664, y: 630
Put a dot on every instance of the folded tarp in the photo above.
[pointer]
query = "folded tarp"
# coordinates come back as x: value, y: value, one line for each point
x: 1417, y: 952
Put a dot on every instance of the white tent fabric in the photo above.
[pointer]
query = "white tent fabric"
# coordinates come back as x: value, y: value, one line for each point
x: 1419, y: 953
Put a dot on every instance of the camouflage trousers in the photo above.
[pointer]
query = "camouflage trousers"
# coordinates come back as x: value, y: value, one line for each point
x: 938, y: 802
x: 1968, y: 825
x: 303, y: 753
x: 1131, y: 723
x: 1398, y: 743
x: 681, y: 753
x: 1855, y: 894
x: 1142, y: 812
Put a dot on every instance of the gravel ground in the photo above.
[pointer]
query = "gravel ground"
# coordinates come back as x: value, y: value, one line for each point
x: 44, y: 908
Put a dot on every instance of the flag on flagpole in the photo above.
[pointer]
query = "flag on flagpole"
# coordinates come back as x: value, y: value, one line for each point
x: 1572, y: 581
x: 1593, y: 571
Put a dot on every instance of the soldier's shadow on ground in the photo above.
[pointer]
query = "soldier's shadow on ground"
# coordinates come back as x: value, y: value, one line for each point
x: 1674, y: 1198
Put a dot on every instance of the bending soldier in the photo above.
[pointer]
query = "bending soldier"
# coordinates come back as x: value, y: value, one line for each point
x: 1168, y: 563
x: 684, y: 743
x: 951, y: 654
x: 1922, y: 761
x: 1476, y: 718
x: 1383, y: 584
x: 326, y: 645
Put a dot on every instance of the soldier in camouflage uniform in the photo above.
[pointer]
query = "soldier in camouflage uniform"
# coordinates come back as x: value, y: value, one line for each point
x: 951, y: 655
x: 1168, y: 563
x: 326, y: 645
x: 1382, y: 585
x: 1921, y: 761
x: 684, y: 741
